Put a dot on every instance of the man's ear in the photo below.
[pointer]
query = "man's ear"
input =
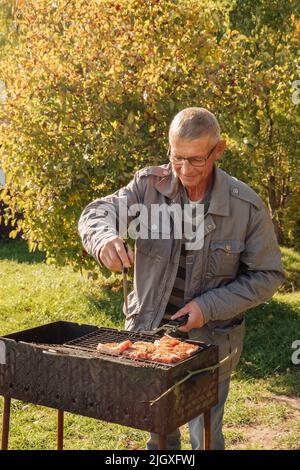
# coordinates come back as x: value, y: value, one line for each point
x: 220, y: 149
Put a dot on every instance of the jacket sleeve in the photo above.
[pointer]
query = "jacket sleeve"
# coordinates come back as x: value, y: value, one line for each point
x: 263, y: 273
x: 107, y: 217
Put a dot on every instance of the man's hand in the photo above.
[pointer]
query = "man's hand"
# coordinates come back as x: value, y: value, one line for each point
x: 113, y: 255
x: 196, y: 317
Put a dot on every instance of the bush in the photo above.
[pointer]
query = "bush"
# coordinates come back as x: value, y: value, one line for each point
x: 92, y: 86
x: 8, y: 230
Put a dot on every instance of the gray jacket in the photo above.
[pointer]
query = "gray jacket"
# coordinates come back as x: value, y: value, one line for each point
x: 238, y: 267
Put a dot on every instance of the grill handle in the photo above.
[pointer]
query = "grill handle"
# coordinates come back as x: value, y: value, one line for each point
x: 193, y: 373
x: 180, y: 321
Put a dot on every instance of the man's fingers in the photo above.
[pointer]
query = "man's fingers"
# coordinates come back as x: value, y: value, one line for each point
x: 112, y: 261
x: 130, y: 254
x: 184, y: 329
x: 183, y: 311
x: 114, y: 256
x: 121, y: 253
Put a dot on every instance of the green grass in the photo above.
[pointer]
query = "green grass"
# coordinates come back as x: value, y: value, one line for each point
x: 291, y: 260
x: 260, y: 411
x: 33, y: 293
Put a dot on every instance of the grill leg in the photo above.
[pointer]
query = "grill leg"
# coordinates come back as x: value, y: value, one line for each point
x: 207, y: 430
x: 60, y: 430
x: 5, y: 427
x: 162, y: 442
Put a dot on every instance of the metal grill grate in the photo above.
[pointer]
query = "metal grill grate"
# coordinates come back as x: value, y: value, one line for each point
x: 90, y: 341
x: 107, y: 335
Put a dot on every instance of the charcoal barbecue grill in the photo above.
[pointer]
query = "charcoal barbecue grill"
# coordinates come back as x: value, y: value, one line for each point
x: 57, y: 365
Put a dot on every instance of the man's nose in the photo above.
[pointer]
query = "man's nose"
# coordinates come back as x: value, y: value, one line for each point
x: 186, y: 167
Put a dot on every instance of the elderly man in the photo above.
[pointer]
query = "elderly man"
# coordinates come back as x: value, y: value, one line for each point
x: 237, y: 266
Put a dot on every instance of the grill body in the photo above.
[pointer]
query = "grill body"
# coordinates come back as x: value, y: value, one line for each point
x: 72, y: 379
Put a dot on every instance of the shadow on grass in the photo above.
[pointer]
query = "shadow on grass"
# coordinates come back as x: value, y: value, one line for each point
x: 270, y: 331
x: 17, y: 250
x: 107, y: 296
x: 110, y: 304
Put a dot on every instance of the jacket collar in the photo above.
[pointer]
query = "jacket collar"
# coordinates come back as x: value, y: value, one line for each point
x: 170, y: 184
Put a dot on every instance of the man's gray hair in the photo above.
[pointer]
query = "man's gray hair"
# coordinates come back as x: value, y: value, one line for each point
x: 194, y: 123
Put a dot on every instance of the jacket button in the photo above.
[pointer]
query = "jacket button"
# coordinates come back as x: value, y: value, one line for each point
x: 165, y: 172
x: 210, y: 226
x: 235, y: 191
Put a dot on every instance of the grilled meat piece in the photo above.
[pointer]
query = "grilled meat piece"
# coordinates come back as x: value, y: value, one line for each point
x: 114, y: 348
x: 167, y: 341
x: 135, y: 353
x: 140, y: 350
x: 166, y: 357
x: 188, y: 348
x: 166, y: 350
x: 144, y: 345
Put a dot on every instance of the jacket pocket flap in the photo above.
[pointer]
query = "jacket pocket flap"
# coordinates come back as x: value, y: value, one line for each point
x: 228, y: 246
x: 229, y: 329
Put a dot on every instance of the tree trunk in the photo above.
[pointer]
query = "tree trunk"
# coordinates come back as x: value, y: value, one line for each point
x: 274, y: 207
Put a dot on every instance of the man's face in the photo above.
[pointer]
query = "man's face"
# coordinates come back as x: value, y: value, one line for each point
x: 190, y: 175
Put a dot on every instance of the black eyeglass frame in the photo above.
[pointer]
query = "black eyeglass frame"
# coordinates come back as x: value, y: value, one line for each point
x: 202, y: 160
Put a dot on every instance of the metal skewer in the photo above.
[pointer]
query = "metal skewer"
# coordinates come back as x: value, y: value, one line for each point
x: 125, y: 283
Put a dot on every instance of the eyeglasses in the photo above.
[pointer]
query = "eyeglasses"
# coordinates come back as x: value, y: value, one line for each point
x: 194, y: 161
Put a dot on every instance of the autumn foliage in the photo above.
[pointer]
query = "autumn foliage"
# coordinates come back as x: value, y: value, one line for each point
x: 92, y: 86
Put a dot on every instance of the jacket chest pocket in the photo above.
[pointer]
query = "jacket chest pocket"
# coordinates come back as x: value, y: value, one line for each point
x: 224, y: 257
x: 155, y: 241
